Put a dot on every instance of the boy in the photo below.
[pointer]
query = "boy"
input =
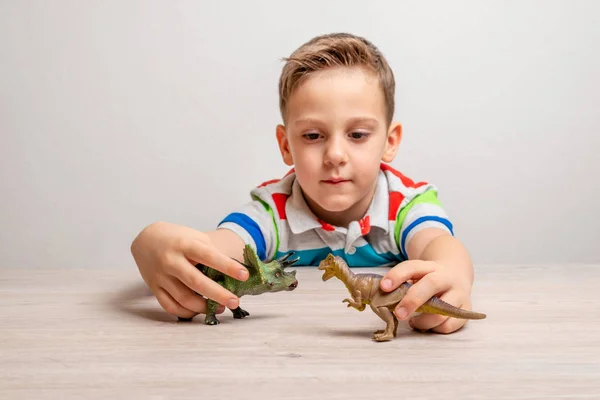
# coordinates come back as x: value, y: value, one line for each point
x: 337, y: 102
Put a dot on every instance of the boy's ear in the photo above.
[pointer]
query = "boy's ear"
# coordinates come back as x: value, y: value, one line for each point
x: 392, y: 142
x: 284, y: 145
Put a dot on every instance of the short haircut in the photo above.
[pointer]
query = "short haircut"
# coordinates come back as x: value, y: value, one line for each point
x: 335, y: 50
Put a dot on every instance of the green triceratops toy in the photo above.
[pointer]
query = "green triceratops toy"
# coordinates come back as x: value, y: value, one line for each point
x: 263, y: 278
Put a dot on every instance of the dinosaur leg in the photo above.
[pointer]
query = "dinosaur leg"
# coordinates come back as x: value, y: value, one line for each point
x: 211, y: 311
x: 379, y: 332
x: 240, y: 313
x: 352, y: 303
x: 389, y: 332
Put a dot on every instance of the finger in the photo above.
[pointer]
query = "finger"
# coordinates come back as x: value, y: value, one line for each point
x: 430, y: 285
x: 184, y: 296
x: 405, y: 271
x: 436, y: 323
x: 170, y: 305
x: 426, y: 321
x: 450, y: 325
x: 201, y: 284
x: 454, y: 324
x: 201, y: 252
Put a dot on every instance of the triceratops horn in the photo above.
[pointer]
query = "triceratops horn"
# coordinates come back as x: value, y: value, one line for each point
x: 288, y: 255
x: 285, y: 262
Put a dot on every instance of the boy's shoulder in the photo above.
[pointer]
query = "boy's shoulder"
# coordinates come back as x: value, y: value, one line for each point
x: 281, y: 185
x: 398, y: 182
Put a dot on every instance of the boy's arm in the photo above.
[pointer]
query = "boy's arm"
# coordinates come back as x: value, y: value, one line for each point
x: 228, y: 242
x: 434, y: 244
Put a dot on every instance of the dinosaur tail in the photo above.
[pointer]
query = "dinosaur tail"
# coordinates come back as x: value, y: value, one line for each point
x: 437, y: 306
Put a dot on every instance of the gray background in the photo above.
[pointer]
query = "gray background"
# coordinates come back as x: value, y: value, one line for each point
x: 116, y: 114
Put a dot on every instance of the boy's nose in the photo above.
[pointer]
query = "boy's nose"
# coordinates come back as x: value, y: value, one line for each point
x: 335, y: 153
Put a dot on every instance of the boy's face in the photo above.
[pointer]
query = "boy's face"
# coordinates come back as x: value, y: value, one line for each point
x: 336, y: 137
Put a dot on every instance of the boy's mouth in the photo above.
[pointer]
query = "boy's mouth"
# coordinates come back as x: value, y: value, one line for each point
x: 336, y: 181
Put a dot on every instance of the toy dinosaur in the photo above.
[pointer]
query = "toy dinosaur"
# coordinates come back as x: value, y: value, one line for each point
x: 365, y: 289
x: 263, y: 278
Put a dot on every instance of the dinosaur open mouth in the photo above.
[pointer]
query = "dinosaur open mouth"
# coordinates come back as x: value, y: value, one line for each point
x: 327, y: 275
x: 293, y: 286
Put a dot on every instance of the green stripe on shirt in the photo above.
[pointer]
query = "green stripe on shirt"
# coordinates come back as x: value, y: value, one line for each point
x: 429, y: 197
x: 270, y: 211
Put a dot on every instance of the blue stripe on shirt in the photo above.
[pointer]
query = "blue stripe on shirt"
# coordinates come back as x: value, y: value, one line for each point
x: 416, y: 222
x: 252, y: 228
x: 365, y: 256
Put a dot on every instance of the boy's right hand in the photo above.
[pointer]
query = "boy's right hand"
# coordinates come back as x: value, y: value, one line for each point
x: 166, y: 255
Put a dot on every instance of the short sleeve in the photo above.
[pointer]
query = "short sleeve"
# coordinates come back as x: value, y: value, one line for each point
x: 423, y: 211
x: 254, y: 223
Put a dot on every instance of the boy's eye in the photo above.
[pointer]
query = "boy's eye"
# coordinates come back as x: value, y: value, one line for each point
x: 311, y: 136
x: 359, y: 135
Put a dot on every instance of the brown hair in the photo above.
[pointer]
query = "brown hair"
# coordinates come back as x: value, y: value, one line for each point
x: 333, y: 50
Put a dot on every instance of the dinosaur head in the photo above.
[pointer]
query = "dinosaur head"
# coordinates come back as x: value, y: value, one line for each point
x: 273, y: 276
x: 329, y: 266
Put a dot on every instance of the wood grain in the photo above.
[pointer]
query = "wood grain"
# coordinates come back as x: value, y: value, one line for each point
x: 97, y: 334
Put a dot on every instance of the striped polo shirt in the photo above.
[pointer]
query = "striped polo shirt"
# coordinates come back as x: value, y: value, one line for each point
x: 278, y: 221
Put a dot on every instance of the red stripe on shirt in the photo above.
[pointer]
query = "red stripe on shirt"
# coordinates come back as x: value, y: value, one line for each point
x: 406, y: 181
x: 280, y: 199
x: 395, y: 201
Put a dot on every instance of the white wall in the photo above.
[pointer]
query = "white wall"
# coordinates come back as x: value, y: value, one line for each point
x: 115, y: 114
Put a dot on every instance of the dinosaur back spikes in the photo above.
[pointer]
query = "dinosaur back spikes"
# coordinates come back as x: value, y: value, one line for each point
x: 250, y: 258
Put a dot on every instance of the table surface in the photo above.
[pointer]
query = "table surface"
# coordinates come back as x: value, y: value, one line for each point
x: 97, y: 334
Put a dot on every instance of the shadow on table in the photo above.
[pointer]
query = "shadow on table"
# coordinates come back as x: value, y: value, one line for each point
x: 137, y: 300
x: 360, y: 333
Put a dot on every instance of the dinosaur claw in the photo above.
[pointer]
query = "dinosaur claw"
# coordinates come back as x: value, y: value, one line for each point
x: 211, y: 320
x: 381, y: 336
x: 240, y: 313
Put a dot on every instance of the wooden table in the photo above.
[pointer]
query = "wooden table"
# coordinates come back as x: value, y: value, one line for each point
x: 95, y: 334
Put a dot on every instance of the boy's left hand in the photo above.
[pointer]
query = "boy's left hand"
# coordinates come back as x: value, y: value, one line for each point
x: 429, y: 279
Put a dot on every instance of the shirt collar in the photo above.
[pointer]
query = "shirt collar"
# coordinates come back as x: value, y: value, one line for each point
x: 301, y: 218
x: 379, y: 207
